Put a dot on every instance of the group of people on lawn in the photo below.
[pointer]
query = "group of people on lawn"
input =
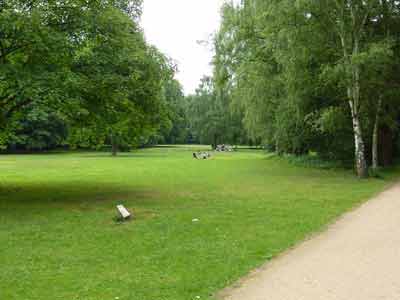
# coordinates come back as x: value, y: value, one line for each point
x: 206, y: 155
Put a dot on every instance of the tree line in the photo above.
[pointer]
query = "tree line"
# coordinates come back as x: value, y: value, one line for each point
x: 293, y: 76
x: 309, y: 76
x: 80, y: 74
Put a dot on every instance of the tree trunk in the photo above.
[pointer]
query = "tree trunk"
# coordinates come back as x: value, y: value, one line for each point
x: 375, y: 137
x: 215, y: 143
x: 385, y: 146
x: 361, y: 163
x: 114, y: 146
x: 354, y: 95
x: 114, y: 149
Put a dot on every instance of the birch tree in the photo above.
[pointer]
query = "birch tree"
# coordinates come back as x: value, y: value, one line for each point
x: 350, y: 17
x: 313, y: 75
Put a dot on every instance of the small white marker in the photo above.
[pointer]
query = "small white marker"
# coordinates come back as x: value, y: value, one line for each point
x: 124, y: 213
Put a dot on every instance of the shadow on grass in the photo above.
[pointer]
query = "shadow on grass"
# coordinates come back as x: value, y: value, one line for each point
x: 36, y: 153
x: 125, y: 155
x: 88, y: 154
x: 77, y: 194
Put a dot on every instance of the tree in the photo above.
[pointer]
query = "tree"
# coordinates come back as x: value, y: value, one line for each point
x: 120, y: 79
x: 303, y: 72
x: 350, y: 19
x: 210, y: 118
x: 175, y: 127
x: 98, y: 70
x: 30, y: 31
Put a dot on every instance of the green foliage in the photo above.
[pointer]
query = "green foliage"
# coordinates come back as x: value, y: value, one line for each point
x: 39, y: 129
x: 175, y: 125
x: 120, y: 78
x: 29, y: 33
x: 282, y: 65
x: 211, y: 120
x: 85, y: 59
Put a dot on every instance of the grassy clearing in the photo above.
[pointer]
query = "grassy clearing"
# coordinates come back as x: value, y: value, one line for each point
x: 59, y: 240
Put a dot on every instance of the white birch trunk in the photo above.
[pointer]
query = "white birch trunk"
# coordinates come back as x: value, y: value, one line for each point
x: 353, y: 90
x: 361, y: 163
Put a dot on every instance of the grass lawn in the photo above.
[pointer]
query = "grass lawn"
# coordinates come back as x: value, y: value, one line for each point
x: 59, y: 240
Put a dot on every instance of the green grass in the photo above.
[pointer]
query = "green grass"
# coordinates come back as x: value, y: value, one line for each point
x: 59, y: 239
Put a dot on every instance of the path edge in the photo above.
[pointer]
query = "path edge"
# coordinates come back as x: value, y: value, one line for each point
x: 224, y: 293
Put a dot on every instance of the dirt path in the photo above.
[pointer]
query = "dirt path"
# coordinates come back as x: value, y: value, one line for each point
x: 357, y: 258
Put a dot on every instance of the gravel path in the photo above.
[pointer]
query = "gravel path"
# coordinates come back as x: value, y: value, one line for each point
x: 357, y: 258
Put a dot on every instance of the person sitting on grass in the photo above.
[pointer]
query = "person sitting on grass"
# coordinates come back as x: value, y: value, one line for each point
x: 201, y: 155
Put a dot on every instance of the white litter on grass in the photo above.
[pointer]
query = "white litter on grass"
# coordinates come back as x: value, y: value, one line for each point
x: 195, y: 220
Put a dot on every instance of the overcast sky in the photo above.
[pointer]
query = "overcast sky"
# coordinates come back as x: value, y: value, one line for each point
x: 175, y: 27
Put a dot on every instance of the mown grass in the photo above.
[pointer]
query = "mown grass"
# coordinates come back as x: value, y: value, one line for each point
x: 59, y: 239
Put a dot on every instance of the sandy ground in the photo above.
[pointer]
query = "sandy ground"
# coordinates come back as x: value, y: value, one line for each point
x: 357, y: 258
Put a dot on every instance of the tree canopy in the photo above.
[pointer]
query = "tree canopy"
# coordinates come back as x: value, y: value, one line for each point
x: 88, y: 62
x: 312, y: 75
